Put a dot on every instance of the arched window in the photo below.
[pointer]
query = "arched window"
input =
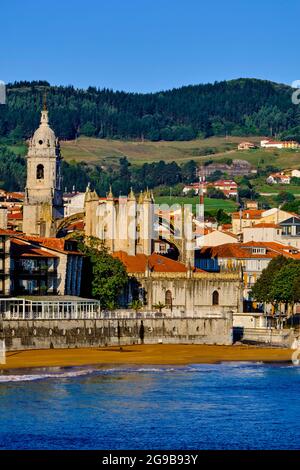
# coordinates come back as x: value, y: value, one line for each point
x: 40, y: 172
x: 215, y: 297
x: 168, y: 299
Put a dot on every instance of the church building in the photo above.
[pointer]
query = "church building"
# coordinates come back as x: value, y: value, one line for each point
x: 43, y: 204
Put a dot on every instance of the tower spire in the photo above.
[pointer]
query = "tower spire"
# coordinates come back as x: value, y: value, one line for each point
x: 45, y: 101
x: 44, y: 113
x: 43, y: 204
x: 110, y: 194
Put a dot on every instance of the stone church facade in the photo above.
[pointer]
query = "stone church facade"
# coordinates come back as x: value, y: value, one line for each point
x: 180, y: 291
x: 122, y: 224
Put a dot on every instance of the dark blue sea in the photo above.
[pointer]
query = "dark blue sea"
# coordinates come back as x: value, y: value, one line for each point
x: 222, y: 406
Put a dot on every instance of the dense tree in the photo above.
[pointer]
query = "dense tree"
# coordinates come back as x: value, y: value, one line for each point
x: 215, y: 176
x: 189, y: 172
x: 88, y: 129
x: 285, y: 196
x: 285, y: 286
x: 244, y: 192
x: 295, y: 181
x: 215, y: 193
x: 236, y: 107
x: 222, y: 217
x: 293, y: 206
x: 108, y: 275
x: 12, y: 170
x: 262, y: 289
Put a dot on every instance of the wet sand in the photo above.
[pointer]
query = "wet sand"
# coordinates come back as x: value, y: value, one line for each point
x: 156, y: 354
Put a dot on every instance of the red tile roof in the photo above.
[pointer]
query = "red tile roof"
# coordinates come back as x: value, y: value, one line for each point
x: 225, y: 183
x: 15, y: 216
x: 249, y: 214
x: 243, y: 251
x: 21, y: 249
x: 56, y: 244
x: 156, y: 263
x: 265, y: 225
x: 9, y: 233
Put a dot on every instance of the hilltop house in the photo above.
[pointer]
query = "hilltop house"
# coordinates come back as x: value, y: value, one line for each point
x: 247, y: 146
x: 278, y: 178
x: 228, y: 187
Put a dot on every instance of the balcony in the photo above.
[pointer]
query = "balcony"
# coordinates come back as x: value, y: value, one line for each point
x: 38, y: 271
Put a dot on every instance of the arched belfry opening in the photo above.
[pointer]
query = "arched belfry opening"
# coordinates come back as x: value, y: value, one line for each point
x: 40, y: 172
x: 215, y: 298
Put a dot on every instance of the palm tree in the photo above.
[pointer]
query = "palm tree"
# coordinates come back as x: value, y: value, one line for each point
x: 111, y: 305
x: 136, y: 305
x: 159, y: 306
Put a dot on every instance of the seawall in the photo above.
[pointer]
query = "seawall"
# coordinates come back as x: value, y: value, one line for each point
x: 282, y: 338
x: 45, y: 334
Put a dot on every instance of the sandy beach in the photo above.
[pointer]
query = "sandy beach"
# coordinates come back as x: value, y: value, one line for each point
x: 143, y: 354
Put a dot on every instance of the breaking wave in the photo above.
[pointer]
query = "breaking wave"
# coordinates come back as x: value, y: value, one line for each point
x: 245, y: 368
x: 37, y: 376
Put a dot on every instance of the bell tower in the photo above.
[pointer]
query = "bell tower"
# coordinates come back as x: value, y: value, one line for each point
x: 43, y: 204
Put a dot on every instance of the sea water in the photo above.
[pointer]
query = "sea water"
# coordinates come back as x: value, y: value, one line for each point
x: 218, y: 406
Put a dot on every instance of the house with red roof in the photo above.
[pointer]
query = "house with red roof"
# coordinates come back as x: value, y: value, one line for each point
x: 278, y: 178
x: 228, y: 187
x: 286, y: 232
x: 38, y: 266
x: 250, y: 257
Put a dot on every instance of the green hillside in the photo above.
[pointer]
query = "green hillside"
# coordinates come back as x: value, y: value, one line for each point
x: 108, y: 152
x: 236, y: 107
x: 153, y: 140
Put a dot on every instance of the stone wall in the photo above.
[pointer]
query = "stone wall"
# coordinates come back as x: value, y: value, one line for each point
x: 44, y: 334
x: 265, y: 336
x: 192, y: 293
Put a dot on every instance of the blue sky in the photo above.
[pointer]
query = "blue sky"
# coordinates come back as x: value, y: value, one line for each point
x: 148, y: 45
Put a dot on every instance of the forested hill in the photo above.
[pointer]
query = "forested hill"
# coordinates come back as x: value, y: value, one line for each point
x: 237, y: 107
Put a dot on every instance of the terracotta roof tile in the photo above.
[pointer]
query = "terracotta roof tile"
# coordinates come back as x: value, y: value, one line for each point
x: 57, y: 244
x: 9, y: 233
x: 265, y: 225
x: 22, y: 249
x: 243, y: 251
x: 156, y: 263
x: 248, y: 214
x: 15, y: 216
